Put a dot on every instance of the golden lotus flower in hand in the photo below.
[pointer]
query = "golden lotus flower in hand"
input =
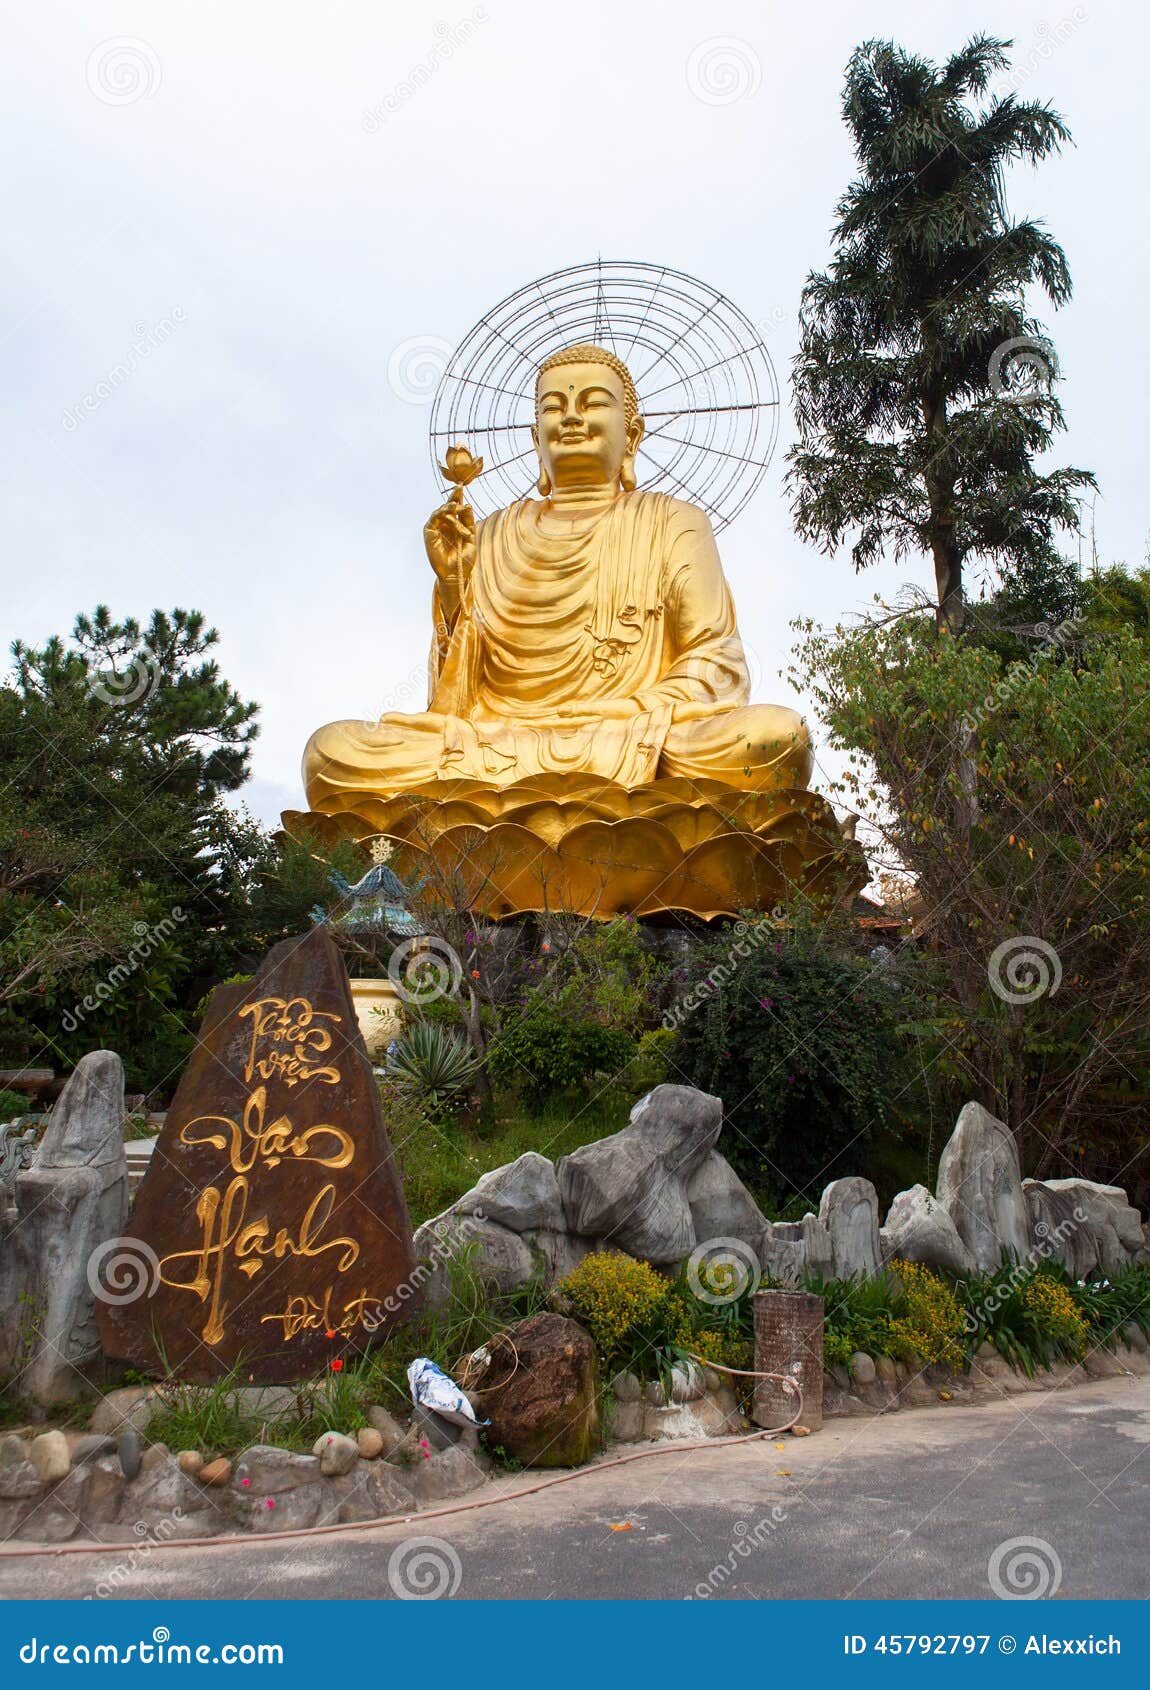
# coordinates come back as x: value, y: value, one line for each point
x: 461, y: 467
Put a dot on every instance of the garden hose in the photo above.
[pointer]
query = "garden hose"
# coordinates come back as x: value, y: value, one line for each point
x: 249, y: 1539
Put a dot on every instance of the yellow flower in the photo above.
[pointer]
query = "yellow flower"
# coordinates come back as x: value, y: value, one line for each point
x: 460, y: 467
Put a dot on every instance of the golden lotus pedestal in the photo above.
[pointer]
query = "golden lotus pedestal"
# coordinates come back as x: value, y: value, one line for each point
x: 589, y: 847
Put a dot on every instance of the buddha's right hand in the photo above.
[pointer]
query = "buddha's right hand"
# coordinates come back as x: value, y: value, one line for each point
x: 449, y: 536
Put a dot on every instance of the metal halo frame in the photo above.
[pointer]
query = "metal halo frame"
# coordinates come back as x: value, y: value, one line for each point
x: 706, y: 385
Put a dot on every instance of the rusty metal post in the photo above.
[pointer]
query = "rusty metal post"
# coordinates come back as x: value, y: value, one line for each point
x: 788, y: 1340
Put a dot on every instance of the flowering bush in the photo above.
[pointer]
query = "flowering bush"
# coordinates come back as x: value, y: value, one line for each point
x: 1056, y: 1314
x: 615, y: 1297
x: 932, y: 1324
x: 909, y: 1314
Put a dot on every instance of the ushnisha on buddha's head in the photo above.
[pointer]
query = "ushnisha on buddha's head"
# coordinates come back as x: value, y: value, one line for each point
x: 587, y: 423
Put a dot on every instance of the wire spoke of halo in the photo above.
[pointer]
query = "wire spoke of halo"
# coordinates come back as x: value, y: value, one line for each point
x: 716, y: 374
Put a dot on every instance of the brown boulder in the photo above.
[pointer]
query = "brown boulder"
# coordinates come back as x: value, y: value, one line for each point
x: 539, y: 1387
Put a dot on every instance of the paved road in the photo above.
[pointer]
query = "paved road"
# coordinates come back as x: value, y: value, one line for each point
x: 912, y: 1505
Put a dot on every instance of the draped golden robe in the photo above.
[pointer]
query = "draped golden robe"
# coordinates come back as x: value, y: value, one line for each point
x: 602, y: 643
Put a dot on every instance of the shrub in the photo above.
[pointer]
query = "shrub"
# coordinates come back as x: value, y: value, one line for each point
x: 909, y: 1314
x: 800, y: 1040
x: 433, y: 1064
x: 1114, y: 1303
x: 643, y: 1322
x: 13, y: 1103
x: 617, y: 1299
x: 929, y: 1316
x: 1032, y: 1316
x: 550, y: 1049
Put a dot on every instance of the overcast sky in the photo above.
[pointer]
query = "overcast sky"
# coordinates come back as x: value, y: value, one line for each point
x: 267, y: 201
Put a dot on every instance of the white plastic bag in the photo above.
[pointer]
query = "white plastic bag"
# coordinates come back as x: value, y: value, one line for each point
x: 431, y: 1388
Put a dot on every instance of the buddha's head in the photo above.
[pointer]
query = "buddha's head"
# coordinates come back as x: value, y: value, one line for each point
x: 587, y: 423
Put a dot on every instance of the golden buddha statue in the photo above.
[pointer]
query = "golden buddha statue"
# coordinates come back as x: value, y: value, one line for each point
x: 589, y: 740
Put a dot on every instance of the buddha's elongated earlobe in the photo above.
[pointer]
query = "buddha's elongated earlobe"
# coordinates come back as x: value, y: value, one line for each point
x: 627, y: 473
x: 544, y: 482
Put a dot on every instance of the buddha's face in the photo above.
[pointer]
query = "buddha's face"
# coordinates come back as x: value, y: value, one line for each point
x: 581, y: 431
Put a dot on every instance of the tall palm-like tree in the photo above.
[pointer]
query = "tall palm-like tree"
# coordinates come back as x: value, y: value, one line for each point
x: 923, y: 389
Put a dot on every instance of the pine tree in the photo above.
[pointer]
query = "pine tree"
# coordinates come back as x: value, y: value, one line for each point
x: 923, y: 389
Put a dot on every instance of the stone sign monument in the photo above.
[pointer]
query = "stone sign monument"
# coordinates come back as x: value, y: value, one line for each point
x: 271, y: 1227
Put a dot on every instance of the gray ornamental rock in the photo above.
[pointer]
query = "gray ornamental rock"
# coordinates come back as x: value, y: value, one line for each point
x: 131, y: 1405
x: 500, y: 1258
x: 447, y: 1473
x: 56, y: 1516
x: 12, y: 1451
x: 129, y: 1452
x: 292, y: 1484
x: 849, y: 1213
x: 720, y: 1204
x: 919, y: 1229
x: 980, y: 1187
x: 372, y: 1492
x: 522, y: 1195
x: 630, y: 1190
x: 558, y: 1253
x: 789, y: 1250
x: 337, y: 1453
x: 72, y: 1203
x: 161, y: 1489
x: 1090, y: 1228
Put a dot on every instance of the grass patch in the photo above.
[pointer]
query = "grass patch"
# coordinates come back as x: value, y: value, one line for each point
x: 440, y: 1160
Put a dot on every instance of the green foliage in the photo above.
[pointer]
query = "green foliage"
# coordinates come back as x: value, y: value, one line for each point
x: 440, y: 1160
x: 907, y: 1313
x: 1112, y: 1304
x: 128, y: 881
x: 923, y: 391
x: 645, y: 1323
x: 433, y: 1064
x: 117, y: 751
x: 619, y: 1300
x: 546, y: 1051
x: 800, y: 1040
x: 13, y: 1103
x: 1031, y: 1316
x: 582, y: 1013
x: 1017, y: 796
